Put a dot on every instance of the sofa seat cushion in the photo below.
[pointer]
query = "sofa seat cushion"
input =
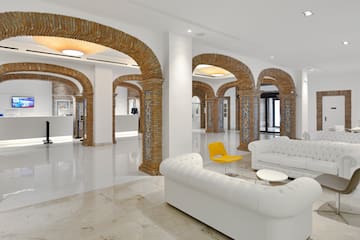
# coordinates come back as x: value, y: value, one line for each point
x: 269, y: 157
x: 322, y: 166
x: 292, y: 161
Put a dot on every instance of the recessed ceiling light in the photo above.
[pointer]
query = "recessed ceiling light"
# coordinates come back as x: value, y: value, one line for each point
x: 217, y: 74
x: 308, y: 13
x: 189, y: 31
x: 346, y: 42
x: 272, y: 57
x: 72, y: 52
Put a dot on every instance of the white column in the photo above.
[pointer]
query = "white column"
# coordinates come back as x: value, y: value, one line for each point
x: 103, y: 96
x: 177, y: 93
x: 304, y: 102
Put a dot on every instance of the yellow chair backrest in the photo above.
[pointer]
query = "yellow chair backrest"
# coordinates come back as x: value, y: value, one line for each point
x: 216, y: 149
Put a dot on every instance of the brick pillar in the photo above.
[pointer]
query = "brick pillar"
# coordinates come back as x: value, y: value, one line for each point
x: 215, y: 115
x: 237, y: 107
x: 288, y: 115
x: 249, y: 117
x: 152, y: 123
x: 89, y: 119
x: 202, y: 113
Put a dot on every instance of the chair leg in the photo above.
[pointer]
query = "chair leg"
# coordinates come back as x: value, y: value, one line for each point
x: 337, y: 209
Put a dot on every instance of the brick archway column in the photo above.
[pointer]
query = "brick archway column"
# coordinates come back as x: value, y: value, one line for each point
x: 249, y: 117
x: 152, y: 126
x: 215, y: 110
x: 89, y: 119
x: 288, y: 115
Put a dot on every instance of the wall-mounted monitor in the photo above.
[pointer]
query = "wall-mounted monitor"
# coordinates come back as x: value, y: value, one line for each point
x: 22, y: 102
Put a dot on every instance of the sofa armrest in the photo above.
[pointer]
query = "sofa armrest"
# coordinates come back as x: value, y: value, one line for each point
x: 290, y: 199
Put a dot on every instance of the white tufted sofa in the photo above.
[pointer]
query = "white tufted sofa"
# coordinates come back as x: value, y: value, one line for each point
x: 238, y: 208
x: 305, y: 158
x: 333, y: 136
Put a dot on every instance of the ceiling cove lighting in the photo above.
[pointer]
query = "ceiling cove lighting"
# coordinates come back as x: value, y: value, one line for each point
x: 308, y: 13
x: 72, y: 52
x: 65, y: 44
x: 346, y: 42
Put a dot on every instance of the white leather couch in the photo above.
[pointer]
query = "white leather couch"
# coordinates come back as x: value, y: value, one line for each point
x: 334, y: 136
x: 305, y: 158
x: 238, y: 208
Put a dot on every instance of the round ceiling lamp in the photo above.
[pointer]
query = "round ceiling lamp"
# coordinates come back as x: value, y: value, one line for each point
x: 69, y: 46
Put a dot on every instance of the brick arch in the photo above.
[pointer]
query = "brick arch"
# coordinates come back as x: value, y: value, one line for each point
x: 287, y: 91
x: 223, y: 88
x: 248, y: 101
x: 242, y: 73
x: 279, y: 78
x: 121, y: 82
x: 43, y: 77
x: 206, y: 88
x: 61, y: 70
x: 13, y: 24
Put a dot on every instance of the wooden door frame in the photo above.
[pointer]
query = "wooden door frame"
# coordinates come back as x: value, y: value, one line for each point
x: 319, y: 106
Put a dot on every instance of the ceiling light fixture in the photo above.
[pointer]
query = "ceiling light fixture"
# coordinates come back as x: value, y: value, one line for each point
x: 72, y: 52
x: 272, y: 57
x: 218, y: 75
x: 189, y: 31
x: 308, y: 13
x: 346, y: 42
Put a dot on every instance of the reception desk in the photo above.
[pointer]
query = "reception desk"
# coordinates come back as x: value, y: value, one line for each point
x: 126, y: 123
x: 34, y: 127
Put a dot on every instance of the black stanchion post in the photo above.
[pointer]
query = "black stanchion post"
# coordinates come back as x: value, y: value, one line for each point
x: 47, y: 140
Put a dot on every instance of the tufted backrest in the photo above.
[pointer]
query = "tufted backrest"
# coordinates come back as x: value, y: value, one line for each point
x: 333, y: 136
x: 319, y: 150
x: 286, y: 200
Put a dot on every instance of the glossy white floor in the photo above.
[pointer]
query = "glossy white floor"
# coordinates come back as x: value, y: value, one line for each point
x: 98, y: 193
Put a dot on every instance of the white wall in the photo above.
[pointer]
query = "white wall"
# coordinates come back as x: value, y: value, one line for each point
x: 121, y: 101
x: 332, y: 82
x: 177, y: 106
x: 103, y: 97
x: 41, y: 90
x: 232, y: 94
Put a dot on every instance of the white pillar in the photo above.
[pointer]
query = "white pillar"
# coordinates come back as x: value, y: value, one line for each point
x: 177, y: 93
x: 103, y: 97
x: 304, y: 102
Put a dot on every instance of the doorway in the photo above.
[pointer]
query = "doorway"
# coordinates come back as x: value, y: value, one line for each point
x: 333, y: 110
x: 270, y: 112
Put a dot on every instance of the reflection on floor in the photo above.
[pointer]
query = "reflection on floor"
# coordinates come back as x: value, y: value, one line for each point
x: 114, y: 200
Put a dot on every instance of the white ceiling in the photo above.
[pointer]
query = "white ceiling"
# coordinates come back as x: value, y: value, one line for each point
x: 255, y: 28
x: 258, y: 28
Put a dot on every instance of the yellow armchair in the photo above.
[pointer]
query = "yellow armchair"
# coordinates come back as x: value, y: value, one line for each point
x: 218, y: 154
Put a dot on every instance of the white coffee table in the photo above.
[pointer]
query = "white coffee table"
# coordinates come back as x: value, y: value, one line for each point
x: 271, y: 175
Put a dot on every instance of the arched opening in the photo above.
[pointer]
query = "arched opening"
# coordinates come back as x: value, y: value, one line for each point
x: 287, y: 98
x: 132, y: 106
x: 196, y: 110
x: 14, y: 24
x: 204, y: 92
x: 8, y: 70
x: 248, y: 99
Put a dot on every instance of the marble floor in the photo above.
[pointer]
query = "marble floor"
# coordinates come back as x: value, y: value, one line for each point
x: 66, y: 191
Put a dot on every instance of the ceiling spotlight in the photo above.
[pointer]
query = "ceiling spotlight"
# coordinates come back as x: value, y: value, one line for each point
x: 346, y: 42
x: 72, y: 52
x: 308, y: 13
x: 189, y: 31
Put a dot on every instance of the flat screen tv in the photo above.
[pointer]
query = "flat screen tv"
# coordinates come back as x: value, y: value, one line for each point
x: 22, y: 102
